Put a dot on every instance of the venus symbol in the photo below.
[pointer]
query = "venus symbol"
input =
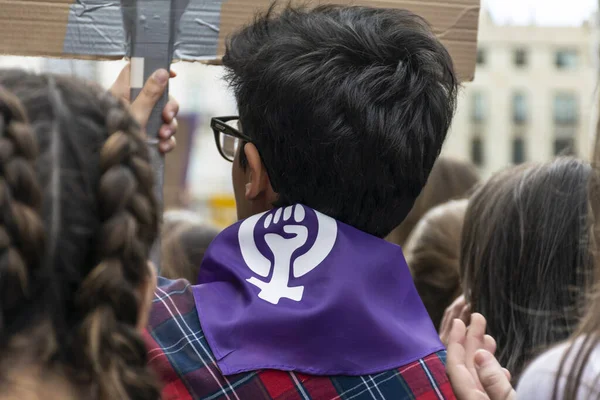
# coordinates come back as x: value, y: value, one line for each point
x: 291, y: 220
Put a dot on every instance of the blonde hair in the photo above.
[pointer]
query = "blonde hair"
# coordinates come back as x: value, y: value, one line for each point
x: 450, y: 179
x: 184, y: 240
x: 433, y: 254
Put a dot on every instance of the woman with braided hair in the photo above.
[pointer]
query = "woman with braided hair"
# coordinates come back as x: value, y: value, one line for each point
x: 77, y: 220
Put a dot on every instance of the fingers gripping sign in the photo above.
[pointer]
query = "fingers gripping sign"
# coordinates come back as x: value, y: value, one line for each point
x: 142, y: 107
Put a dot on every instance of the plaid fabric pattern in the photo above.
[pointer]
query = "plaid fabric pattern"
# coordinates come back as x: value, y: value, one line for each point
x: 180, y: 355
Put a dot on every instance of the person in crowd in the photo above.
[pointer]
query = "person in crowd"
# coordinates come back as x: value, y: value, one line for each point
x: 432, y: 254
x: 450, y: 179
x: 77, y: 222
x: 569, y: 370
x: 343, y: 112
x: 184, y: 240
x: 527, y: 256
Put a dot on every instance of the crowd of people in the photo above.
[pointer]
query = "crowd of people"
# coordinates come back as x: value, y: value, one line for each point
x: 362, y: 266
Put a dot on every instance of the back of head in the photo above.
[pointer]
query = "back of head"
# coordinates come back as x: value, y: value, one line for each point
x: 579, y: 361
x: 450, y: 179
x: 432, y: 253
x: 526, y: 256
x: 78, y: 219
x: 348, y: 107
x: 183, y: 243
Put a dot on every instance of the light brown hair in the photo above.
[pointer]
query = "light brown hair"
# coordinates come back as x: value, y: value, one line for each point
x: 450, y: 179
x: 526, y: 256
x: 432, y: 253
x: 184, y: 242
x: 77, y: 222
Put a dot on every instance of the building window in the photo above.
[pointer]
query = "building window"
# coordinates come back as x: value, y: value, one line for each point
x: 477, y: 151
x: 519, y: 108
x: 565, y: 109
x: 481, y: 57
x: 565, y: 123
x: 520, y: 58
x: 566, y: 59
x: 518, y: 150
x: 478, y: 110
x: 564, y: 146
x: 564, y: 139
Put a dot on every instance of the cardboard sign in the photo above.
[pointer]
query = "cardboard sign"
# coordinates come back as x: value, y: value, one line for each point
x: 102, y: 29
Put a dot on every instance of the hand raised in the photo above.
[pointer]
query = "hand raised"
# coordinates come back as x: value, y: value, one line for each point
x: 145, y: 102
x: 474, y: 372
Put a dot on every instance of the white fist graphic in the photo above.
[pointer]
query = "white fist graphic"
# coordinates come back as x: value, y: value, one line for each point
x: 291, y: 220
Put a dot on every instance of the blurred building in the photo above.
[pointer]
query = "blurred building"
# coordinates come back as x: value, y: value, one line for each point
x: 533, y: 96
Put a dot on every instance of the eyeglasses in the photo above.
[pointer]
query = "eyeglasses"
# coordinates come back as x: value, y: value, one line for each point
x: 228, y: 137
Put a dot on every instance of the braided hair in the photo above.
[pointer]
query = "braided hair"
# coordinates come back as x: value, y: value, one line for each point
x: 77, y: 219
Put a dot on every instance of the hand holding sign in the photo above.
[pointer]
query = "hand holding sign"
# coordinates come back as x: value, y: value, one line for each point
x: 145, y: 102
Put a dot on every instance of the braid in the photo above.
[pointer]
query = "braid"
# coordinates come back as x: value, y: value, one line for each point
x: 76, y: 225
x: 115, y: 352
x: 21, y: 226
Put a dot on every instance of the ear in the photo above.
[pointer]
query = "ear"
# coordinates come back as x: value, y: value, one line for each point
x: 257, y: 179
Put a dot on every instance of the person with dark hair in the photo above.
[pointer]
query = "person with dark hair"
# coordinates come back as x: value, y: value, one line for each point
x: 184, y: 241
x: 433, y: 255
x: 77, y: 222
x: 450, y: 179
x: 526, y: 256
x: 343, y: 112
x: 569, y: 370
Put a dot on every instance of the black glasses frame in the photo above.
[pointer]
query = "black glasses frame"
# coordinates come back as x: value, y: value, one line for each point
x: 219, y: 126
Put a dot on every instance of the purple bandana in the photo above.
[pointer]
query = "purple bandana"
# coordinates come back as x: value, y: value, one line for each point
x: 295, y: 290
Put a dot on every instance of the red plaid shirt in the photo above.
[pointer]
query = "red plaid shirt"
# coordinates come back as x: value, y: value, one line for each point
x: 180, y: 354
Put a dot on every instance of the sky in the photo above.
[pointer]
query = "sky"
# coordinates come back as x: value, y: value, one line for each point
x: 542, y: 12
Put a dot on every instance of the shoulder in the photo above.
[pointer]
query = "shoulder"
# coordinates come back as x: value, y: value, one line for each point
x: 428, y: 375
x: 173, y: 313
x: 172, y: 298
x: 539, y: 378
x: 174, y: 339
x: 421, y: 379
x: 172, y: 285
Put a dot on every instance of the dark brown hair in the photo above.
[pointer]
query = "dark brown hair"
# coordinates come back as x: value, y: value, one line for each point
x: 450, y: 179
x: 183, y: 243
x: 432, y: 253
x: 576, y: 358
x: 349, y: 107
x: 526, y: 256
x: 78, y: 218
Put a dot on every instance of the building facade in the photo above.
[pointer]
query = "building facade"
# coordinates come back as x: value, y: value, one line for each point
x: 533, y: 96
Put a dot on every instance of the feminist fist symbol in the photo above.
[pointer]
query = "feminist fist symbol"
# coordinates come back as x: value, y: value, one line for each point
x: 283, y: 249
